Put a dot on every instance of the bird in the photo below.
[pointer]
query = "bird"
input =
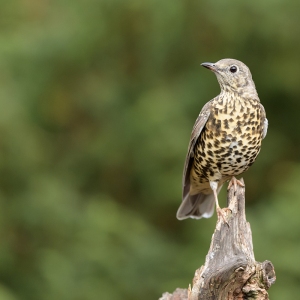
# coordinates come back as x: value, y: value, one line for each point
x: 225, y: 140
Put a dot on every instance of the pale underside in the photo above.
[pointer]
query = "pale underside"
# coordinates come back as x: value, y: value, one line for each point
x: 228, y: 144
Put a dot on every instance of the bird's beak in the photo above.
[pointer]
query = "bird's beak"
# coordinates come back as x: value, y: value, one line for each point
x: 209, y: 66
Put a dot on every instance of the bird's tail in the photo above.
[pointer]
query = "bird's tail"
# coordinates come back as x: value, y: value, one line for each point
x: 197, y: 206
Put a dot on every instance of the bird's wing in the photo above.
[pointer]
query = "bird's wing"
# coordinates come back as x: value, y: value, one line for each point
x: 265, y: 120
x: 197, y: 129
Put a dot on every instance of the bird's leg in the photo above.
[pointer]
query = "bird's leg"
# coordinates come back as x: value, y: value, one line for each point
x: 220, y: 212
x: 234, y: 182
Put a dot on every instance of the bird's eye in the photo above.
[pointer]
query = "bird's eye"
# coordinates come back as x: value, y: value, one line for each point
x: 233, y: 69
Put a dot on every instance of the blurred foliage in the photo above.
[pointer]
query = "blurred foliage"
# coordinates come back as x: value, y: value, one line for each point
x: 98, y: 98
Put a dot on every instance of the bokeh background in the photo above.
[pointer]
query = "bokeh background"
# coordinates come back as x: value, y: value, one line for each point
x: 97, y: 102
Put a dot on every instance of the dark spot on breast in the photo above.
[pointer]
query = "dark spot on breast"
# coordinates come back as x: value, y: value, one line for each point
x: 226, y: 124
x: 216, y: 143
x: 211, y: 161
x: 238, y: 129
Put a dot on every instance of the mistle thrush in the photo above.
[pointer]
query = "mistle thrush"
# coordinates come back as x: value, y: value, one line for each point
x: 225, y: 140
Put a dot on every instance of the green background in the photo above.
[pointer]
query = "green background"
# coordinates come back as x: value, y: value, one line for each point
x: 97, y: 102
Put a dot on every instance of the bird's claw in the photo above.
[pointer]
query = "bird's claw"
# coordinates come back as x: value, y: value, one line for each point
x: 221, y: 214
x: 234, y: 182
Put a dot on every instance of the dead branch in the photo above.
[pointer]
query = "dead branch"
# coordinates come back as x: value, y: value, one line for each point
x: 230, y: 271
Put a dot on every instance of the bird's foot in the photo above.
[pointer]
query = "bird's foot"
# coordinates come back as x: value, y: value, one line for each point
x: 221, y: 214
x: 234, y: 182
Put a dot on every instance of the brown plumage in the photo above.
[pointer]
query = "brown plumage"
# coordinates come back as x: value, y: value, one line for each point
x: 225, y: 140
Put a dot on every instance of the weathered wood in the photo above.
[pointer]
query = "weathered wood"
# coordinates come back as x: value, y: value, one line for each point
x: 230, y: 271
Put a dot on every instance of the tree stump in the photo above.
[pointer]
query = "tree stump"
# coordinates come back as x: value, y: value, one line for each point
x: 230, y: 271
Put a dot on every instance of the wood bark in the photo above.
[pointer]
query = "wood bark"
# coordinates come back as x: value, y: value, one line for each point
x: 230, y: 271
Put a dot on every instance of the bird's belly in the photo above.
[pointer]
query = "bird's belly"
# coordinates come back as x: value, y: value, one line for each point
x: 236, y: 159
x: 226, y: 153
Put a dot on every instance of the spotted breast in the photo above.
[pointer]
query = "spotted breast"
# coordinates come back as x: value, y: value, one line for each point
x: 230, y: 141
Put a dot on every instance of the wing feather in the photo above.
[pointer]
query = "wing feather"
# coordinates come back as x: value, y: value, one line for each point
x: 265, y: 126
x: 197, y: 129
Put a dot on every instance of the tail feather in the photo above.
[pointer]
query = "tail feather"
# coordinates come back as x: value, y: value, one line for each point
x: 197, y: 206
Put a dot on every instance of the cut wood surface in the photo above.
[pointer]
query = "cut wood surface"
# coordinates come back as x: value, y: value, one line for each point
x: 230, y: 270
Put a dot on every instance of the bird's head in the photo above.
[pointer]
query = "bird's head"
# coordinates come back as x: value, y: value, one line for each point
x: 233, y: 76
